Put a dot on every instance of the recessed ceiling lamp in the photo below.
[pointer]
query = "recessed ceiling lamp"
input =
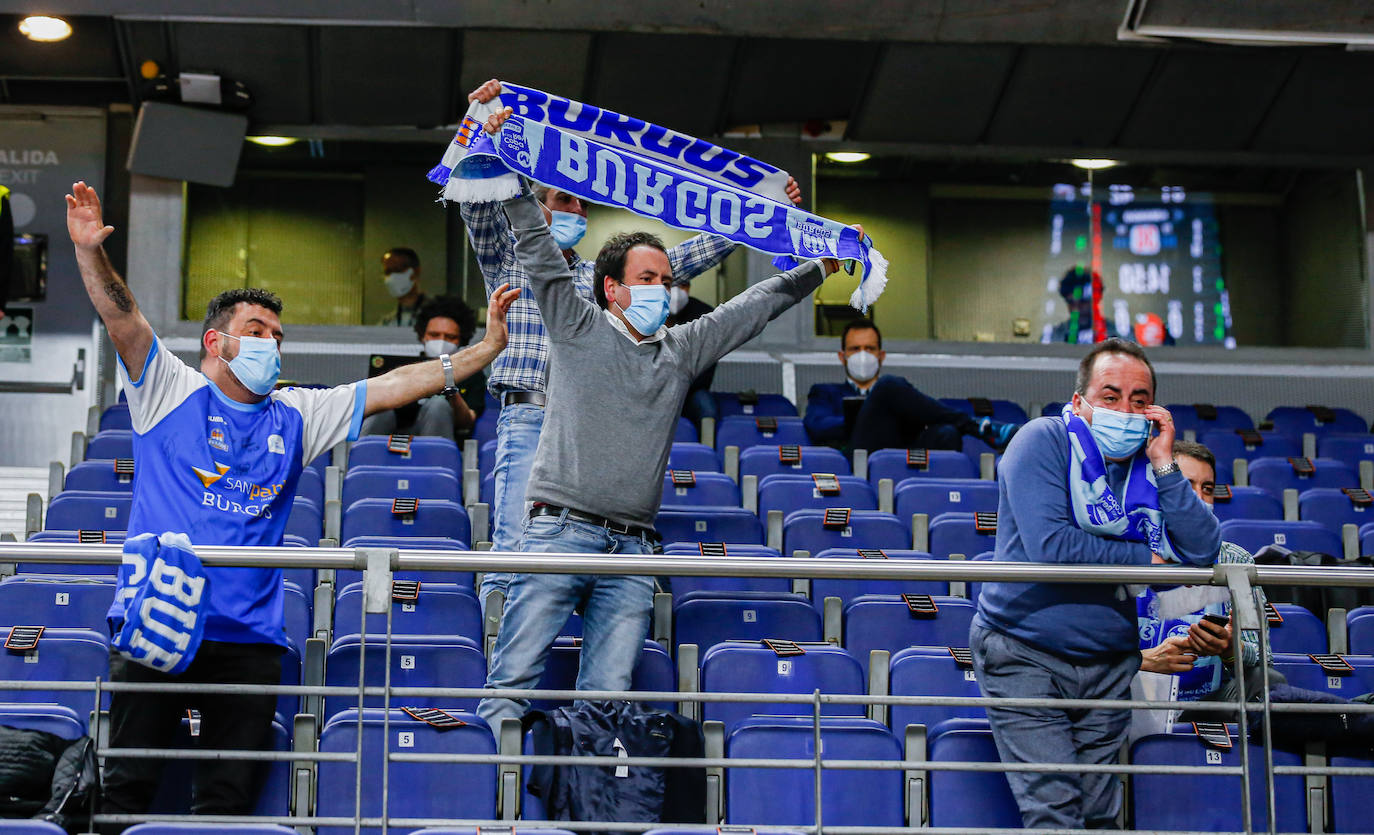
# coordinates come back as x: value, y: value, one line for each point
x: 847, y: 156
x: 273, y: 141
x: 45, y: 29
x: 1094, y: 164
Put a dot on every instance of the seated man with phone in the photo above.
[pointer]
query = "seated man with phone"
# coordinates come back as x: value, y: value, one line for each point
x: 1198, y: 648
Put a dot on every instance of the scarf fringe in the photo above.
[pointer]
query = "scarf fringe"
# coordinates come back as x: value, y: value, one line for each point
x: 485, y: 190
x: 873, y: 283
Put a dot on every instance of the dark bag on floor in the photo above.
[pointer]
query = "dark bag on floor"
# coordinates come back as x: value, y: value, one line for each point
x: 610, y: 793
x: 1315, y: 599
x: 46, y: 777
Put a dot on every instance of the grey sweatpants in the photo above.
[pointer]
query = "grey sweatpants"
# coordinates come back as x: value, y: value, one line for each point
x: 1008, y: 668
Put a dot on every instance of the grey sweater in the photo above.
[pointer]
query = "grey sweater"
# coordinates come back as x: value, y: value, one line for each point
x: 613, y: 404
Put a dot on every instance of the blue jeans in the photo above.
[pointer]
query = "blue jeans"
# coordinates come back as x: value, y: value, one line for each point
x: 1008, y: 668
x: 615, y: 615
x: 517, y: 437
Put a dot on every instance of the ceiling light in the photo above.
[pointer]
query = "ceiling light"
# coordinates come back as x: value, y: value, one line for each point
x: 273, y: 141
x: 1094, y: 164
x: 45, y: 29
x: 847, y: 156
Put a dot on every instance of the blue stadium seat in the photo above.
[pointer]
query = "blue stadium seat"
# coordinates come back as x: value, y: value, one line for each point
x: 940, y: 463
x: 751, y: 667
x: 1228, y: 445
x: 442, y: 609
x: 1157, y: 796
x: 89, y: 569
x: 54, y: 719
x: 704, y: 490
x: 1350, y: 448
x: 1299, y: 420
x: 347, y: 576
x: 62, y: 655
x: 432, y: 517
x: 796, y: 492
x: 784, y: 796
x: 306, y: 520
x: 311, y: 486
x: 934, y: 496
x: 686, y: 431
x: 519, y: 830
x: 111, y: 537
x: 764, y: 461
x: 884, y: 622
x: 847, y: 589
x: 31, y: 827
x: 486, y: 458
x: 968, y: 799
x: 321, y: 462
x: 1350, y: 796
x: 653, y: 673
x: 112, y: 443
x: 683, y: 585
x: 1332, y: 508
x: 930, y: 671
x: 805, y: 530
x: 424, y: 452
x: 296, y: 607
x: 1228, y: 418
x: 485, y: 429
x: 303, y: 577
x: 415, y: 662
x: 716, y: 524
x: 98, y: 475
x: 1277, y: 475
x: 1359, y: 625
x: 199, y: 828
x: 1252, y: 535
x: 710, y: 618
x: 71, y: 602
x: 116, y: 417
x: 460, y: 791
x: 1303, y: 672
x: 743, y: 431
x: 82, y: 510
x: 959, y: 533
x: 1301, y: 631
x: 373, y: 482
x: 1247, y: 503
x: 487, y: 495
x: 1003, y: 411
x: 774, y: 405
x: 699, y: 457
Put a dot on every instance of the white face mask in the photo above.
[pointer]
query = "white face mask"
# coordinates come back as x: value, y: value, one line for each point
x: 435, y: 348
x: 677, y: 299
x: 398, y: 284
x: 862, y: 366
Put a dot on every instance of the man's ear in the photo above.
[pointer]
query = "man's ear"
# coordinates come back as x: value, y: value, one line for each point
x: 210, y: 340
x: 882, y: 356
x: 842, y: 357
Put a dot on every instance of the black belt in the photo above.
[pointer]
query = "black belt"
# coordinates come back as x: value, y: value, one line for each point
x: 533, y: 398
x: 542, y: 509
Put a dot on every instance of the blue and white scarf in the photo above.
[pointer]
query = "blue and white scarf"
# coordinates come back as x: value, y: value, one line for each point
x: 1096, y: 508
x: 164, y: 590
x: 688, y: 183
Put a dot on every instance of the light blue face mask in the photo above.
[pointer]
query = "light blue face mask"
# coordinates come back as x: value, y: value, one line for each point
x: 567, y: 228
x: 648, y: 308
x: 258, y: 364
x: 1119, y: 435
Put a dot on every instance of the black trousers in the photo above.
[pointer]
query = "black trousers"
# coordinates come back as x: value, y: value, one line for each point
x: 150, y: 720
x: 895, y: 415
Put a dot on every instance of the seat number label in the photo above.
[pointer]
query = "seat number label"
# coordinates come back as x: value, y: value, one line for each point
x: 1213, y: 757
x: 405, y: 739
x: 407, y: 662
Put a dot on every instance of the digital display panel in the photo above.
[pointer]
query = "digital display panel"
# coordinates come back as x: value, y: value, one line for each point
x: 1159, y: 256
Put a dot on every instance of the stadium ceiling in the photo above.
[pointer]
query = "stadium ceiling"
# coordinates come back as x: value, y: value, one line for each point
x: 1260, y: 80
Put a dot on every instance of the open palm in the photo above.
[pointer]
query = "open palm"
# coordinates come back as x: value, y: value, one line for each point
x: 84, y: 222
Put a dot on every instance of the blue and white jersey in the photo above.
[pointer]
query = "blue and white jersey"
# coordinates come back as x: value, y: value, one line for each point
x: 225, y: 473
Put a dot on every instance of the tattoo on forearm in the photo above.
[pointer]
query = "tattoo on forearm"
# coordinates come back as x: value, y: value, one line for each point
x: 118, y: 293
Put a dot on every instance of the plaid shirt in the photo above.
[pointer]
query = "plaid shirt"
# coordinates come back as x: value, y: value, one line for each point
x: 524, y: 365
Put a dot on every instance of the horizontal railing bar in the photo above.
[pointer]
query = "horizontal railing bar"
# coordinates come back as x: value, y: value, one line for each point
x: 211, y: 754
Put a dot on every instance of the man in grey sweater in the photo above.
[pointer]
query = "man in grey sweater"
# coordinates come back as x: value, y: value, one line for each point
x: 616, y: 386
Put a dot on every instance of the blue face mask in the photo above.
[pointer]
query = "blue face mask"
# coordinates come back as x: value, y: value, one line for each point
x: 258, y: 364
x: 567, y: 229
x: 1119, y: 435
x: 648, y: 308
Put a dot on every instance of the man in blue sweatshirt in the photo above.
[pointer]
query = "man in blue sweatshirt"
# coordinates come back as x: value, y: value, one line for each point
x: 1088, y: 487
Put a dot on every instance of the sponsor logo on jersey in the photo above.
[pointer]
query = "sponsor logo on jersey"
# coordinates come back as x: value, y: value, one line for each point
x: 276, y: 444
x: 216, y: 419
x: 217, y: 440
x: 207, y: 478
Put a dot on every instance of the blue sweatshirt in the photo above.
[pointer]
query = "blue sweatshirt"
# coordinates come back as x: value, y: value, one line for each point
x: 1076, y: 621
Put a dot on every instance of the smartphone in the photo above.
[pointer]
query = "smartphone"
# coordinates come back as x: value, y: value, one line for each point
x: 1219, y: 620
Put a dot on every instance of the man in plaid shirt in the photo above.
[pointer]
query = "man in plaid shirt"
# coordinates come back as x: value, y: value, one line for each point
x: 519, y: 374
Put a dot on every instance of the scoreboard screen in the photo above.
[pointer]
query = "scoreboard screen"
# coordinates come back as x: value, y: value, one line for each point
x: 1159, y: 256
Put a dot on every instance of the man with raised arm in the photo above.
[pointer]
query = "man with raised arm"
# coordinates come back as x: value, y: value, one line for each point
x: 597, y: 481
x: 519, y: 378
x: 218, y: 452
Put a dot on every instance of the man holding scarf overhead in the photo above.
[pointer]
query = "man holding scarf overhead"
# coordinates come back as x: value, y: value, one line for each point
x: 1088, y: 487
x: 597, y: 481
x: 518, y: 378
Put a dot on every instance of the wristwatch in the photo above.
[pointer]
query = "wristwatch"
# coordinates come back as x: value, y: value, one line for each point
x: 1171, y: 467
x: 449, y: 388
